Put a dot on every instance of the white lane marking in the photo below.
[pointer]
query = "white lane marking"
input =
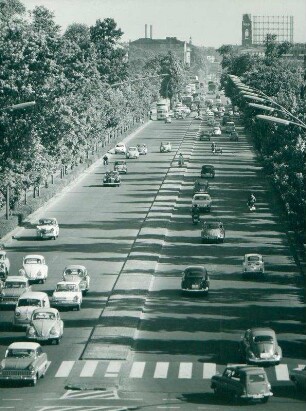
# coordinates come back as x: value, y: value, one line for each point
x: 161, y: 370
x: 71, y: 394
x: 281, y: 372
x: 185, y: 370
x: 113, y: 368
x: 89, y: 368
x: 137, y: 369
x: 64, y: 369
x: 209, y: 369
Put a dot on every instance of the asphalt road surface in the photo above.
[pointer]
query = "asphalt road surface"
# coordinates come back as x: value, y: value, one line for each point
x: 140, y: 237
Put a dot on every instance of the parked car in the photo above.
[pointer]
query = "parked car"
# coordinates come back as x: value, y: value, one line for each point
x: 24, y: 361
x: 205, y: 136
x: 203, y: 201
x: 120, y: 148
x: 132, y: 152
x: 165, y: 147
x: 67, y: 294
x: 212, y: 231
x: 4, y: 265
x: 253, y: 264
x: 195, y: 279
x: 120, y: 166
x: 260, y: 346
x: 35, y: 268
x: 78, y: 274
x: 111, y: 178
x: 26, y: 304
x: 45, y: 325
x: 242, y: 382
x: 217, y: 131
x: 298, y: 377
x: 207, y: 171
x: 12, y: 289
x: 47, y: 228
x: 142, y: 149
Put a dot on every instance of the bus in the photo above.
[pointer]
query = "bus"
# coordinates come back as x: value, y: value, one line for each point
x: 162, y: 107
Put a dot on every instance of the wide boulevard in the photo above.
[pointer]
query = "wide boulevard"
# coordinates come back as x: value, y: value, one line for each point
x: 137, y: 343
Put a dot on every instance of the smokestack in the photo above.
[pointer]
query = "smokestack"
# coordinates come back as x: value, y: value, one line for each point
x: 151, y: 31
x: 146, y: 30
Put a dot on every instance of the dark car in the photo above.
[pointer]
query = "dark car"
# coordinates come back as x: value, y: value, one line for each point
x: 234, y: 136
x: 212, y: 232
x: 242, y: 382
x: 111, y: 178
x: 205, y: 136
x: 195, y: 279
x: 207, y: 171
x: 201, y: 187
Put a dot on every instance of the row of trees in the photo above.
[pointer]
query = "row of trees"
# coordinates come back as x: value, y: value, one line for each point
x: 282, y: 148
x: 83, y: 87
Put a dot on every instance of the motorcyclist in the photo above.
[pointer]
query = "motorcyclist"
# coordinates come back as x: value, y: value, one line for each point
x: 195, y: 212
x: 105, y: 160
x: 251, y: 200
x: 213, y: 146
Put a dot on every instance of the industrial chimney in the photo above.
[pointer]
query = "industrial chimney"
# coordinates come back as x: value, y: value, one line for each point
x: 151, y: 30
x: 146, y: 30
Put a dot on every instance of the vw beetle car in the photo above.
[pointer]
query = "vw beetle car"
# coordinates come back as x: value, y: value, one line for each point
x: 260, y: 346
x: 195, y: 279
x: 35, y: 268
x: 111, y: 178
x: 165, y: 147
x: 13, y: 288
x: 142, y: 149
x: 203, y: 201
x: 67, y: 294
x: 132, y: 152
x: 201, y: 187
x: 253, y: 264
x: 26, y: 304
x: 77, y: 274
x: 217, y: 131
x: 298, y: 377
x: 46, y: 325
x: 24, y: 361
x: 47, y: 228
x: 120, y: 166
x: 242, y: 382
x: 207, y: 171
x: 212, y: 232
x: 120, y: 148
x: 205, y: 136
x: 4, y: 265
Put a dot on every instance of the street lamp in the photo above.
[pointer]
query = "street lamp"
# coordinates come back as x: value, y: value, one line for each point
x: 262, y: 107
x: 277, y: 120
x: 254, y: 97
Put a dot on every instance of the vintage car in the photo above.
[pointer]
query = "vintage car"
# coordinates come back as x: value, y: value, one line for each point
x: 168, y: 119
x: 120, y: 166
x: 234, y: 136
x: 45, y: 325
x: 201, y: 187
x: 230, y: 127
x: 111, y: 178
x: 242, y: 382
x: 47, y: 228
x: 195, y: 279
x: 132, y: 152
x: 67, y: 294
x: 205, y: 136
x: 13, y: 288
x: 212, y: 231
x: 26, y: 304
x: 253, y: 264
x: 260, y: 346
x: 298, y: 377
x: 77, y: 274
x: 207, y: 171
x: 35, y: 268
x: 4, y: 265
x: 202, y: 200
x: 120, y: 148
x: 24, y: 361
x: 216, y: 131
x: 142, y: 149
x: 165, y: 147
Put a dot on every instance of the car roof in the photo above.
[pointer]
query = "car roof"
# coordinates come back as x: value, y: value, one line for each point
x: 33, y: 256
x: 34, y: 294
x: 253, y: 255
x: 245, y: 368
x: 75, y: 266
x: 16, y: 278
x: 262, y: 331
x: 68, y: 282
x: 46, y: 310
x: 207, y: 166
x: 197, y: 268
x: 25, y: 345
x: 120, y: 144
x: 132, y: 147
x: 47, y: 218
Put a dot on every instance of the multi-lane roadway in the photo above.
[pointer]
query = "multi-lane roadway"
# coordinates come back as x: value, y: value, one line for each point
x: 137, y: 343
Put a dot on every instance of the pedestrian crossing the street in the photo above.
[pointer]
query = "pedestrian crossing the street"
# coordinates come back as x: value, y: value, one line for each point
x: 159, y: 370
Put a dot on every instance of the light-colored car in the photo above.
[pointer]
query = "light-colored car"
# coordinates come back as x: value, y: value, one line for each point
x: 142, y: 149
x: 67, y: 294
x: 78, y: 274
x: 26, y: 304
x: 298, y: 377
x: 212, y: 231
x: 45, y: 325
x: 35, y: 268
x: 120, y: 166
x: 203, y: 201
x: 111, y: 179
x: 132, y: 152
x: 47, y: 228
x: 24, y: 361
x: 165, y: 147
x: 4, y: 265
x: 253, y: 264
x: 13, y: 288
x: 260, y: 346
x: 120, y: 148
x: 217, y: 131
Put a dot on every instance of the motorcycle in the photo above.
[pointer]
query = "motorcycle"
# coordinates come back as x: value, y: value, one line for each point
x: 251, y: 206
x: 217, y: 150
x: 195, y: 218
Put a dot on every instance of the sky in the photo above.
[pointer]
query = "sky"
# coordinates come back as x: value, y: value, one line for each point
x: 207, y: 22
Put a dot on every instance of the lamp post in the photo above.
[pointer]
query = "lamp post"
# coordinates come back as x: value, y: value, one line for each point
x: 277, y: 120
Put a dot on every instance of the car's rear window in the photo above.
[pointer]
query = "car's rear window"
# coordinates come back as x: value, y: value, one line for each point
x: 253, y: 258
x: 194, y: 274
x: 29, y: 302
x: 263, y: 338
x: 256, y: 378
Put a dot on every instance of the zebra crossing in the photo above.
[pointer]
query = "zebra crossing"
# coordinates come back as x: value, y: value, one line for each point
x: 156, y: 370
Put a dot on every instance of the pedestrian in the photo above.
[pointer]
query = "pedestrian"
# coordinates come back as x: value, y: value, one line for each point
x: 105, y: 160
